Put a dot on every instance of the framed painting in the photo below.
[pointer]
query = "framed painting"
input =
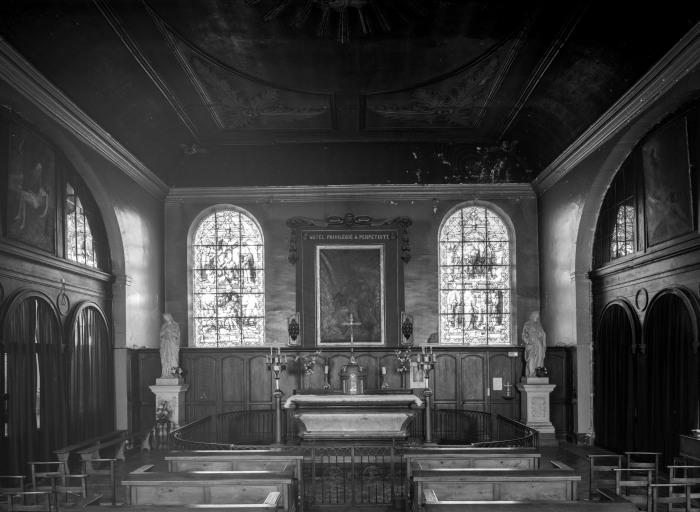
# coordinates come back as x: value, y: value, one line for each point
x: 31, y: 189
x: 349, y: 279
x: 350, y: 295
x: 667, y: 183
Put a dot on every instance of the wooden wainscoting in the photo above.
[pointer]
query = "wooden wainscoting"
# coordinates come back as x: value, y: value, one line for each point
x: 236, y: 379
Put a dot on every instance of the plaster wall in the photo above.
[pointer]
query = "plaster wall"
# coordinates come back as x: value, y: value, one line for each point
x: 420, y: 273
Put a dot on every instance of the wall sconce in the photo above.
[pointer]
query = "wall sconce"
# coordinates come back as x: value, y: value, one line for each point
x: 294, y: 329
x: 406, y: 328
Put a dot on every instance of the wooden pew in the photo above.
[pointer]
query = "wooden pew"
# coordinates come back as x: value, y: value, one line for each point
x: 433, y: 458
x: 606, y: 505
x: 238, y: 460
x: 89, y: 446
x: 222, y: 488
x: 495, y: 485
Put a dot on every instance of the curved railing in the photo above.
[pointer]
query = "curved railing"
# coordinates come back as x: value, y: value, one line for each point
x: 229, y: 430
x: 255, y: 430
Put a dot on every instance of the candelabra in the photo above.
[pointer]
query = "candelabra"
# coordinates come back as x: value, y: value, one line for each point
x: 425, y: 361
x: 276, y: 364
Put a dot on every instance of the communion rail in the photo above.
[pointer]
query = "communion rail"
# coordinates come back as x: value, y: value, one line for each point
x: 255, y: 430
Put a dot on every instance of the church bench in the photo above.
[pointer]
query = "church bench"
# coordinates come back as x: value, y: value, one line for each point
x: 609, y: 504
x: 516, y: 458
x: 486, y: 484
x: 238, y: 460
x: 146, y: 487
x: 118, y: 437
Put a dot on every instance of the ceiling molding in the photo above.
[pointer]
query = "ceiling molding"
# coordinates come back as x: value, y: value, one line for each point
x: 542, y: 66
x: 395, y: 193
x: 683, y: 58
x: 185, y: 66
x: 113, y: 20
x: 34, y: 86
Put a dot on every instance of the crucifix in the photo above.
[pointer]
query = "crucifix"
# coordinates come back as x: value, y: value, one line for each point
x: 351, y: 323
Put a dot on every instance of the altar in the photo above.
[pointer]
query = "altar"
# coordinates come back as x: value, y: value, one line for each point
x: 342, y: 416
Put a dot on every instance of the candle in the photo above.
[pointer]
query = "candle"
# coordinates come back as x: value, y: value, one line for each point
x: 325, y: 369
x: 383, y: 370
x: 270, y: 352
x: 278, y: 351
x: 422, y: 348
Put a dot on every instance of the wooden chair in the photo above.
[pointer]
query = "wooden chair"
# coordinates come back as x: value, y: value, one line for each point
x: 53, y: 476
x: 10, y: 484
x: 642, y: 460
x: 690, y: 475
x: 634, y: 484
x: 36, y: 501
x: 675, y: 493
x: 600, y: 471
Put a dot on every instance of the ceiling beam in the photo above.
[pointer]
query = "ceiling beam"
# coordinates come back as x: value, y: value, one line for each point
x: 143, y: 61
x: 542, y: 66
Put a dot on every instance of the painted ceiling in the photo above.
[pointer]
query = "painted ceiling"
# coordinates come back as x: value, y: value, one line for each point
x: 295, y: 92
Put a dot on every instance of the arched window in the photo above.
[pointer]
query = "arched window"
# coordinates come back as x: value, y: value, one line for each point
x: 80, y: 245
x: 228, y: 280
x: 475, y: 278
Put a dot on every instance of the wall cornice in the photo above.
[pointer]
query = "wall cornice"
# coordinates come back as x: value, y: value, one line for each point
x: 23, y: 77
x: 683, y: 58
x: 305, y: 194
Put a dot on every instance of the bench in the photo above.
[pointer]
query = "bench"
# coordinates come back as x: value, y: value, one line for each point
x: 605, y: 505
x: 204, y: 487
x: 118, y: 437
x: 495, y: 485
x: 515, y: 458
x: 238, y: 460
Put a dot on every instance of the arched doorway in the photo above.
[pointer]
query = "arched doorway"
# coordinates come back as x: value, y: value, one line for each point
x: 617, y: 335
x: 33, y: 380
x: 90, y: 365
x: 669, y: 390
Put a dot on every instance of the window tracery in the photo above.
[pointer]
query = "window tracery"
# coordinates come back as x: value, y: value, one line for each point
x: 475, y: 278
x: 228, y: 281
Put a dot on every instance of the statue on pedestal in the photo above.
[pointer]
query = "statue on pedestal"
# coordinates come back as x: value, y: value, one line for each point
x: 535, y: 341
x: 169, y: 347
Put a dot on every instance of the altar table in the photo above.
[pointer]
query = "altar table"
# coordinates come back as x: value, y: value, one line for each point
x: 340, y: 416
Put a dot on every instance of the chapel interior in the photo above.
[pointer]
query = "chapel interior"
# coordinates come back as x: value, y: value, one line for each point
x: 312, y: 188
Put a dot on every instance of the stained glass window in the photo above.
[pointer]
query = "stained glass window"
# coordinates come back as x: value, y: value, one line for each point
x: 622, y: 236
x: 80, y: 245
x: 475, y: 278
x: 228, y: 303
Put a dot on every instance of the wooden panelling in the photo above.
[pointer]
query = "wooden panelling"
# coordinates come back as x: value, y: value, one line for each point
x: 236, y: 379
x: 444, y: 378
x: 559, y: 361
x: 474, y: 373
x: 202, y: 377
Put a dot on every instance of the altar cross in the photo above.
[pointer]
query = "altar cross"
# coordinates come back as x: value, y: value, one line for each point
x: 351, y: 323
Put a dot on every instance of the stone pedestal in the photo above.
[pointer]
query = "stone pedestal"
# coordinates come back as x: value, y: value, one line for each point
x: 534, y: 407
x: 171, y: 390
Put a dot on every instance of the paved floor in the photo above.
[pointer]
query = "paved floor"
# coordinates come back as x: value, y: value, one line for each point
x: 570, y: 454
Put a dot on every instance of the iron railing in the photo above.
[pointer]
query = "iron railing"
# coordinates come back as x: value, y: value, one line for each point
x: 255, y: 430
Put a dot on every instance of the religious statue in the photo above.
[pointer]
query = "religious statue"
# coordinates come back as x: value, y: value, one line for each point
x: 535, y: 341
x: 169, y: 347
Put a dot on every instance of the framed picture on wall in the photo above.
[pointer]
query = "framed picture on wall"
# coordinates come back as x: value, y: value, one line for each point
x: 31, y: 189
x: 350, y: 295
